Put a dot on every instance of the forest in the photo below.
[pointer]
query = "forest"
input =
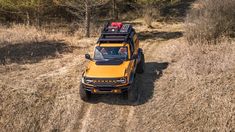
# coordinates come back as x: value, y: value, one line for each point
x: 41, y: 12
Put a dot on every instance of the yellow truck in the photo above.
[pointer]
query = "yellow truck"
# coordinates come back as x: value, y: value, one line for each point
x: 113, y: 66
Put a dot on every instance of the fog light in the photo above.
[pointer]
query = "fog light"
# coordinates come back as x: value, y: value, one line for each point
x: 94, y: 90
x: 116, y: 91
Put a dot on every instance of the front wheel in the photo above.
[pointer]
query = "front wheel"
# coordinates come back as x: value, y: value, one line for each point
x: 131, y: 94
x: 84, y: 95
x: 140, y: 66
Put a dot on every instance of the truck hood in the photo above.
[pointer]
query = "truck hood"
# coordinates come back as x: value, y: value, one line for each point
x: 106, y: 71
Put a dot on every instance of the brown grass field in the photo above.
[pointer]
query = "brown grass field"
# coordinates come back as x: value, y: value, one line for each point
x: 184, y: 88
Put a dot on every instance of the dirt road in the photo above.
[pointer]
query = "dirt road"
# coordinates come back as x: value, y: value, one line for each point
x: 44, y: 96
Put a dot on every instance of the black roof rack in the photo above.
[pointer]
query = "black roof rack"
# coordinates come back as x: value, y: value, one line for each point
x: 113, y: 34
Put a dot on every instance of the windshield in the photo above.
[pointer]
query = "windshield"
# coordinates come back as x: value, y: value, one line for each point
x: 102, y: 53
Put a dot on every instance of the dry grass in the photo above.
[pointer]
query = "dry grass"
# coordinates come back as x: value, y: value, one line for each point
x: 22, y: 33
x: 27, y: 44
x: 150, y: 14
x: 198, y: 90
x: 209, y: 21
x: 39, y: 75
x: 195, y: 92
x: 184, y: 88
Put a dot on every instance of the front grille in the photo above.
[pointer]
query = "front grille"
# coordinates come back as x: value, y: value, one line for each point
x: 104, y: 82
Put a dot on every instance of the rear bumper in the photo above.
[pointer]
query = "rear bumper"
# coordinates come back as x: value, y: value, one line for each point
x: 106, y: 90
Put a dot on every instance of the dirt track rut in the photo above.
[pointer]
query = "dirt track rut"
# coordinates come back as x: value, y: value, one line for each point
x: 51, y: 99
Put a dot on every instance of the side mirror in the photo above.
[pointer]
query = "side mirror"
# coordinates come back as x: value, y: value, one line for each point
x: 135, y: 57
x: 87, y: 56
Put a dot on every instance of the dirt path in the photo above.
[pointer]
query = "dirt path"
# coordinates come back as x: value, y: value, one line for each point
x: 112, y: 113
x: 47, y: 98
x: 56, y: 93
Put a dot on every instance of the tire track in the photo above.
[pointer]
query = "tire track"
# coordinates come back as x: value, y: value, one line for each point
x: 84, y: 117
x: 128, y: 112
x: 71, y: 70
x: 78, y: 123
x: 62, y: 70
x: 149, y: 50
x: 129, y: 118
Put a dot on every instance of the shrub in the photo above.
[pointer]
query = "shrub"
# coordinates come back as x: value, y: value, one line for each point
x: 209, y: 20
x: 150, y: 13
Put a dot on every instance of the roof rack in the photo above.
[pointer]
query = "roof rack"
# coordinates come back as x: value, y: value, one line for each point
x: 116, y: 32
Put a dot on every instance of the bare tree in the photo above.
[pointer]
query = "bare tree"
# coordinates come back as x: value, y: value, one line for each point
x: 114, y: 10
x: 88, y: 18
x: 82, y: 10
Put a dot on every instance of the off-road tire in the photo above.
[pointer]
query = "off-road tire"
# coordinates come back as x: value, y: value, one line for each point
x: 131, y: 94
x: 140, y: 66
x: 84, y: 95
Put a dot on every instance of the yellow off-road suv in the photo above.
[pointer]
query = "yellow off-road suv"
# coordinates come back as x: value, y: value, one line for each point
x: 116, y: 60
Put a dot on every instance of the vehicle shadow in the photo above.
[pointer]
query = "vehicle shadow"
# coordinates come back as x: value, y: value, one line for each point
x: 145, y: 84
x: 34, y: 52
x: 159, y: 35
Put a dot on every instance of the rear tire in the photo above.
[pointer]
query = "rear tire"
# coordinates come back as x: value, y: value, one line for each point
x: 140, y: 66
x: 84, y: 95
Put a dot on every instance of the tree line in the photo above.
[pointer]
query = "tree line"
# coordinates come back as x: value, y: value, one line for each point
x: 38, y: 12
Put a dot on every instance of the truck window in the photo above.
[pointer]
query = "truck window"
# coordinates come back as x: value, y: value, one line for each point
x: 102, y: 53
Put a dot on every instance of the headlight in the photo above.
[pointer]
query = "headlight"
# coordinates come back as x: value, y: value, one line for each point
x: 122, y: 80
x: 86, y: 80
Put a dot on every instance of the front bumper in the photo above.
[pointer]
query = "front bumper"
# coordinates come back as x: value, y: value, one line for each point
x: 106, y: 89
